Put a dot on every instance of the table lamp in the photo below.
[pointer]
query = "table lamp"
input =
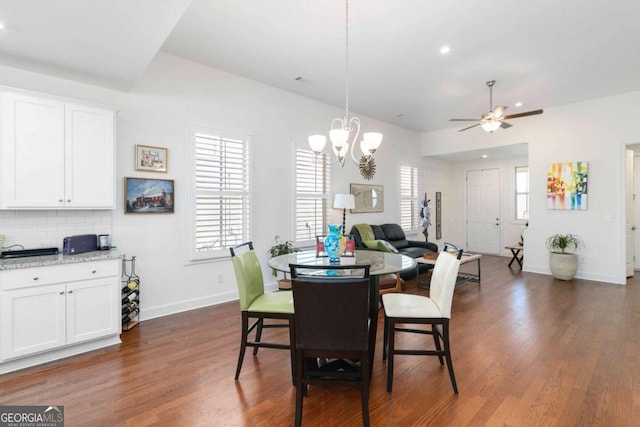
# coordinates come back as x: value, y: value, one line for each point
x: 344, y: 202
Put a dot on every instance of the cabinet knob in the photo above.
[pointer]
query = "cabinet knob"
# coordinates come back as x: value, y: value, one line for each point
x: 60, y: 200
x: 70, y: 292
x: 36, y: 278
x: 61, y: 292
x: 68, y: 200
x: 94, y: 271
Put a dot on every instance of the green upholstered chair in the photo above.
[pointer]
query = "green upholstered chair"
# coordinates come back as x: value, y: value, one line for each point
x: 404, y: 309
x: 258, y: 305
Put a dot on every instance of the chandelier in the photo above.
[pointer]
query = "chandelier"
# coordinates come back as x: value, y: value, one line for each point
x: 345, y: 131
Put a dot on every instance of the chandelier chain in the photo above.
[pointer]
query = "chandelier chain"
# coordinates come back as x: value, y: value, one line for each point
x: 346, y: 117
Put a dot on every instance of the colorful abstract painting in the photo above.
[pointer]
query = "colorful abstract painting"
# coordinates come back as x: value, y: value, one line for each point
x: 567, y: 186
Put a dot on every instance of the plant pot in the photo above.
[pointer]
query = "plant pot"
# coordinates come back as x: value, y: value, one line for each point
x: 284, y: 284
x: 563, y: 266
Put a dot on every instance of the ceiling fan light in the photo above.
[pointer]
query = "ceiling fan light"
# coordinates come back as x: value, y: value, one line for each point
x: 317, y: 143
x: 491, y: 126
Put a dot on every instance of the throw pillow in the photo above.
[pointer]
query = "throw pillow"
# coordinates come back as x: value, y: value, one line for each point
x: 385, y: 246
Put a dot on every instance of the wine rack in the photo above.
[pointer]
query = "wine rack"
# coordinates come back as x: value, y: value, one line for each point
x: 130, y: 284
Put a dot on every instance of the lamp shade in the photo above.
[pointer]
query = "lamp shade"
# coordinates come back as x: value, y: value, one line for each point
x: 338, y: 138
x: 490, y: 125
x: 317, y: 142
x: 344, y: 201
x: 370, y: 142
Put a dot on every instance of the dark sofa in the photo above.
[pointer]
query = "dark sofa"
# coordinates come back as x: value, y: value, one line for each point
x: 394, y: 234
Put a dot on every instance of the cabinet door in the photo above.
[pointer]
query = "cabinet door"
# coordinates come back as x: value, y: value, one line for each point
x: 33, y: 320
x: 32, y: 152
x: 93, y: 309
x: 89, y: 145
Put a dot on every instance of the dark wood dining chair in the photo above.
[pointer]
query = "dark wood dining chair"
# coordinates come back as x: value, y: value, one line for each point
x: 331, y: 330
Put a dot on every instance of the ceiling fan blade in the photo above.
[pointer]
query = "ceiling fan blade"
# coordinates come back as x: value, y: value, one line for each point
x: 463, y: 120
x: 505, y: 125
x: 469, y: 127
x: 525, y: 114
x: 498, y: 111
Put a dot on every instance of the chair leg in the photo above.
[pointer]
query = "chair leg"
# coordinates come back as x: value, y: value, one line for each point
x: 292, y: 343
x: 436, y: 340
x: 390, y: 349
x: 386, y: 338
x: 243, y: 342
x: 258, y: 335
x: 299, y: 396
x: 447, y: 353
x: 364, y: 387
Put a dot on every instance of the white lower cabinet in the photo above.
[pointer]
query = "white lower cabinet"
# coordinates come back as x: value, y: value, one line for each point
x: 55, y: 308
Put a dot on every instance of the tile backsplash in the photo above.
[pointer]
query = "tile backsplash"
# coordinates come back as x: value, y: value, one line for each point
x: 43, y: 229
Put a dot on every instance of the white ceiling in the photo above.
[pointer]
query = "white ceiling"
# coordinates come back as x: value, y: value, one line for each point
x: 543, y: 53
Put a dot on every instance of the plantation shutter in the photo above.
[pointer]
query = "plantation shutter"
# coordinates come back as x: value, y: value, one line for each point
x: 312, y: 194
x: 409, y: 204
x: 222, y: 192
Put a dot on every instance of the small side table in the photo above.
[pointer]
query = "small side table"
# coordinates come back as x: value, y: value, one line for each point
x: 515, y: 251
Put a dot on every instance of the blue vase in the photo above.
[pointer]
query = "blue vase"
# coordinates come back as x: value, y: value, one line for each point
x: 334, y: 243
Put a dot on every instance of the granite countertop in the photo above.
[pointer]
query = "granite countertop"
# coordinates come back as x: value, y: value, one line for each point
x: 59, y: 259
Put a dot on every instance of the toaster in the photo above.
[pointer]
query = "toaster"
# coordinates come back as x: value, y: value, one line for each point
x: 78, y: 244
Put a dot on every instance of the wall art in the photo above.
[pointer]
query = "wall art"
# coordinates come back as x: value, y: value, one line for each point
x: 142, y: 195
x: 567, y: 185
x: 369, y: 198
x: 151, y: 159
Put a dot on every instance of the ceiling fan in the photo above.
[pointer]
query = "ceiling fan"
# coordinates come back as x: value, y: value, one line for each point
x: 495, y: 118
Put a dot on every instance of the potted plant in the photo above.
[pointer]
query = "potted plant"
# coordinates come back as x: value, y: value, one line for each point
x: 282, y: 248
x: 563, y: 259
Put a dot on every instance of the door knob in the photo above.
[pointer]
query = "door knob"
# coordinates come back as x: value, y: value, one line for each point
x: 634, y: 228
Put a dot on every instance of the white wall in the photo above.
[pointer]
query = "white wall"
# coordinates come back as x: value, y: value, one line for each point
x: 595, y: 131
x: 175, y: 92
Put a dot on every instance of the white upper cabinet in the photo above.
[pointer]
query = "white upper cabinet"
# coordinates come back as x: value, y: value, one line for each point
x: 56, y: 154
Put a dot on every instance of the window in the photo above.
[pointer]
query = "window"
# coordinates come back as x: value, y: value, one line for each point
x: 312, y: 195
x: 409, y: 203
x: 522, y: 192
x: 221, y: 193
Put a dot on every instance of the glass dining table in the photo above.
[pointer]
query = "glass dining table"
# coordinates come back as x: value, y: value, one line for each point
x: 381, y: 263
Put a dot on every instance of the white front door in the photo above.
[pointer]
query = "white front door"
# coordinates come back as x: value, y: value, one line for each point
x: 483, y: 211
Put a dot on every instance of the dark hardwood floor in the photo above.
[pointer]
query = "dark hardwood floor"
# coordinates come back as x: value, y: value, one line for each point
x: 527, y: 351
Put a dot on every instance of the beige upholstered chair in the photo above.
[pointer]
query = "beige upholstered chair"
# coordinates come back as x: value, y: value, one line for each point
x: 416, y: 309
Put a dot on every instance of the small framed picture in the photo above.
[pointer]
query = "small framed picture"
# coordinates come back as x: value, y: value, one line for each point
x: 151, y: 159
x: 142, y: 195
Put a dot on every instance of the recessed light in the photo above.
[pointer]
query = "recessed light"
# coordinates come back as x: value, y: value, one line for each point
x: 1, y: 25
x: 484, y: 156
x: 445, y: 49
x: 518, y: 104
